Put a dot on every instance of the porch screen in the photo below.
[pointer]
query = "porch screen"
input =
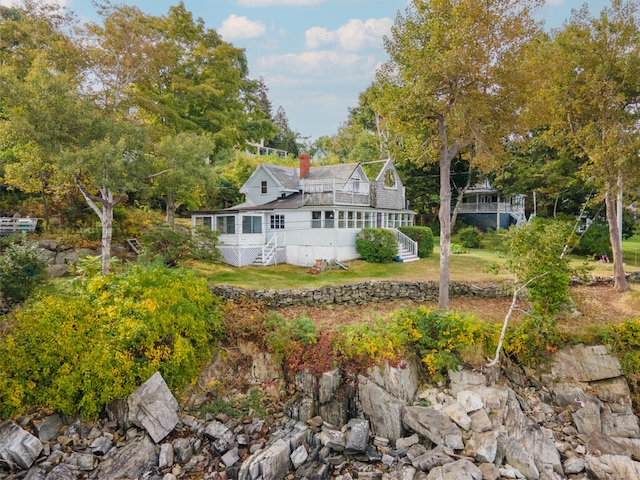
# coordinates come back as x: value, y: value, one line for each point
x: 226, y: 225
x: 251, y: 224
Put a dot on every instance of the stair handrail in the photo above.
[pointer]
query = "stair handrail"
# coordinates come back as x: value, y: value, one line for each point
x: 268, y: 249
x: 408, y: 244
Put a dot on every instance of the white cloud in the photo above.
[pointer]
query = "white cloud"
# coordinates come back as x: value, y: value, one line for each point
x: 313, y: 67
x: 554, y: 3
x: 354, y: 36
x: 273, y: 3
x: 241, y: 28
x: 11, y: 3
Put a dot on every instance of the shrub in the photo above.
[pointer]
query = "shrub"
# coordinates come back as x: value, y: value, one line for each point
x: 469, y: 237
x: 533, y: 341
x: 78, y: 351
x: 176, y: 245
x: 595, y: 240
x: 424, y: 237
x: 444, y: 339
x: 21, y: 269
x: 376, y: 245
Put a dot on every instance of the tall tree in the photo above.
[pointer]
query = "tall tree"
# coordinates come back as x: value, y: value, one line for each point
x: 596, y: 95
x: 182, y: 170
x: 286, y: 138
x: 455, y: 83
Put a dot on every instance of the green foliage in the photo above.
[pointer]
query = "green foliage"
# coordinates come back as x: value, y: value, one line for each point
x: 444, y: 339
x: 457, y: 249
x: 469, y: 237
x: 424, y: 237
x: 21, y: 268
x: 372, y: 343
x: 236, y: 405
x: 595, y: 240
x: 376, y: 245
x: 534, y: 340
x: 177, y: 245
x: 283, y: 335
x: 536, y: 255
x: 79, y: 350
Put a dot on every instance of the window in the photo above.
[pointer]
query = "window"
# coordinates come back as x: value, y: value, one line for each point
x: 226, y: 224
x: 328, y: 218
x: 367, y: 220
x: 263, y: 187
x: 356, y: 185
x: 389, y: 179
x: 203, y: 222
x: 350, y: 220
x: 341, y: 219
x: 316, y: 219
x: 276, y: 222
x: 358, y: 219
x: 251, y: 224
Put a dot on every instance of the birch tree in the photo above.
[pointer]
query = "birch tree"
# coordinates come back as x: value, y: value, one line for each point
x: 455, y: 83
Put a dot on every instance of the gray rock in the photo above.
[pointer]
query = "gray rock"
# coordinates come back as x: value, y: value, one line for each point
x: 357, y: 436
x: 269, y: 464
x: 466, y: 380
x: 520, y: 458
x: 153, y: 407
x: 612, y: 467
x: 480, y: 421
x: 430, y: 459
x: 434, y: 425
x: 313, y: 471
x: 328, y: 383
x: 406, y: 442
x: 460, y: 470
x: 35, y: 473
x: 63, y: 472
x: 483, y: 447
x: 182, y: 449
x: 301, y: 408
x: 383, y: 411
x: 101, y: 445
x: 18, y: 448
x: 586, y: 363
x: 615, y: 390
x: 458, y: 414
x: 334, y: 439
x: 49, y: 428
x: 169, y: 476
x: 57, y: 270
x: 587, y: 420
x: 470, y: 401
x: 336, y: 411
x: 167, y: 455
x: 82, y: 461
x: 489, y: 471
x: 574, y: 465
x: 231, y: 457
x: 400, y: 382
x: 299, y: 456
x: 620, y: 423
x: 130, y: 462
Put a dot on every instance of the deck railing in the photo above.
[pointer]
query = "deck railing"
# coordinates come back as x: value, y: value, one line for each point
x: 10, y: 225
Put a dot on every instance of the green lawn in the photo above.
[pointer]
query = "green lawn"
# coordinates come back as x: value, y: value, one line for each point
x: 471, y: 267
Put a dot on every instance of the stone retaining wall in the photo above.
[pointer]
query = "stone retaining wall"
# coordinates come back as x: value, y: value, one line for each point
x: 379, y: 291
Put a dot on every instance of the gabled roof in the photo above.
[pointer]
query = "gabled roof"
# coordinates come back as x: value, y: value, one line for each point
x: 287, y: 177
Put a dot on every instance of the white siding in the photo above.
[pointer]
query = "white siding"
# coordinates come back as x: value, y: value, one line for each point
x: 254, y: 195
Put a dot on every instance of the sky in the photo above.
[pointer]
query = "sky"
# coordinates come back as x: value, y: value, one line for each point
x: 315, y: 56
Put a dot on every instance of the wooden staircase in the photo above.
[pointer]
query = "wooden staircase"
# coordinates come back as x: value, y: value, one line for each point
x: 407, y: 248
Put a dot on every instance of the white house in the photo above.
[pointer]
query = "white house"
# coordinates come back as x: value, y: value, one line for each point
x: 299, y: 215
x: 484, y: 207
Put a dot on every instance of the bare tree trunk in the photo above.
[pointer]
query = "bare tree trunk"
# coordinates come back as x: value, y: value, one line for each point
x: 45, y: 207
x: 620, y: 282
x: 171, y: 209
x: 445, y: 216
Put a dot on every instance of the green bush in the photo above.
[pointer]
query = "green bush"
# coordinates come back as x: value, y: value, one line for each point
x: 176, y: 245
x: 21, y: 268
x: 533, y: 342
x: 424, y: 237
x: 376, y: 245
x: 469, y: 237
x: 77, y: 351
x: 594, y: 241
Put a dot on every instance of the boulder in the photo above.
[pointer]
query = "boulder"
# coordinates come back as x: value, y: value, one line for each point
x: 460, y: 470
x: 383, y: 411
x: 434, y: 425
x: 400, y: 382
x: 132, y: 461
x: 585, y: 364
x: 458, y: 414
x: 470, y: 401
x: 153, y: 407
x: 612, y: 467
x: 49, y: 428
x: 18, y: 448
x: 357, y: 436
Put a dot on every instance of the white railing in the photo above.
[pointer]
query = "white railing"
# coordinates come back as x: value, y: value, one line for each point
x: 491, y: 207
x: 349, y: 192
x: 408, y: 244
x: 269, y: 248
x: 13, y: 225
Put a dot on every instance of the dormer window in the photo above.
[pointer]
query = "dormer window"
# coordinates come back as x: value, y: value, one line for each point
x: 263, y: 187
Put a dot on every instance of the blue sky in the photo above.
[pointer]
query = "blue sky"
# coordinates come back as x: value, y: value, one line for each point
x: 314, y: 55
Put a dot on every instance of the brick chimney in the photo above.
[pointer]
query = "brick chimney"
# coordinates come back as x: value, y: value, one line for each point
x: 305, y: 164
